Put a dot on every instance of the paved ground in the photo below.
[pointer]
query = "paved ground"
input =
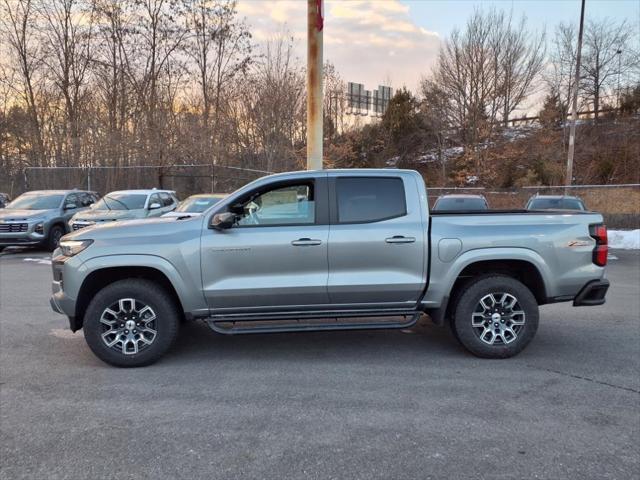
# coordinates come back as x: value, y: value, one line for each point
x: 362, y: 405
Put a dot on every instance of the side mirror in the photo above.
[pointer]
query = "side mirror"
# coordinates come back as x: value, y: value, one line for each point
x: 70, y: 206
x: 154, y: 205
x: 223, y: 221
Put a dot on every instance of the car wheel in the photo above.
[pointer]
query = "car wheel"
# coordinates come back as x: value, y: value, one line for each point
x: 131, y: 323
x: 495, y: 317
x: 55, y: 234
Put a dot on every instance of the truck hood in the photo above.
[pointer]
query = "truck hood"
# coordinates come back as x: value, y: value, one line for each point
x: 136, y: 231
x: 109, y: 215
x: 14, y: 214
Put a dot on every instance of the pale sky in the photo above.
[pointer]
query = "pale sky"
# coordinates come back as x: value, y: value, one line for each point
x: 396, y: 41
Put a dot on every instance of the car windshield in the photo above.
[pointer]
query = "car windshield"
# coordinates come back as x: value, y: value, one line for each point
x: 37, y: 201
x: 460, y: 203
x: 197, y: 204
x: 556, y: 204
x: 121, y: 201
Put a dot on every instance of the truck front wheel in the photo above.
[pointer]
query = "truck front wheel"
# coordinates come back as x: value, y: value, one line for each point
x: 495, y: 317
x: 131, y: 323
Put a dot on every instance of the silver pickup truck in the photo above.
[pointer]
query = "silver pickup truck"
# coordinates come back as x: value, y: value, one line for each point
x: 326, y: 250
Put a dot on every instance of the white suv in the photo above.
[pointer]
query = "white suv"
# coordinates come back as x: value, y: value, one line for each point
x: 126, y: 205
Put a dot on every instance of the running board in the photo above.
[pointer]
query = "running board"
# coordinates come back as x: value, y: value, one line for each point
x: 231, y: 327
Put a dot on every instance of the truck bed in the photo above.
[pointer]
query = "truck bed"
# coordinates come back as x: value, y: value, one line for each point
x: 556, y: 242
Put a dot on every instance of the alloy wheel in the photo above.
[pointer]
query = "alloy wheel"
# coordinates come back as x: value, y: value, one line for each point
x: 498, y: 318
x: 128, y: 326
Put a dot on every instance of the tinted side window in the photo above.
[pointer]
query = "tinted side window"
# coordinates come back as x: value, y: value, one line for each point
x: 290, y: 205
x: 86, y: 199
x: 72, y: 199
x: 154, y: 199
x: 166, y: 199
x: 370, y: 199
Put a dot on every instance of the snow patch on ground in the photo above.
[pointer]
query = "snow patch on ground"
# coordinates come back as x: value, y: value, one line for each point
x: 625, y: 239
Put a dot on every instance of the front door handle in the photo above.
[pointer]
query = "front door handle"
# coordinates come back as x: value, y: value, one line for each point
x: 400, y: 239
x: 306, y: 242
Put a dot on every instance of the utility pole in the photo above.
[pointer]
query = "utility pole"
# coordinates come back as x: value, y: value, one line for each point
x: 619, y: 53
x: 315, y: 24
x: 574, y: 108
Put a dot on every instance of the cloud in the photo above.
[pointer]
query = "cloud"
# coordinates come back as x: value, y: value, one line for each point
x: 369, y: 42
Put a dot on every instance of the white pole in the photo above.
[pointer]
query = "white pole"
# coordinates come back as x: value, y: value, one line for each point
x: 314, y: 84
x: 574, y: 107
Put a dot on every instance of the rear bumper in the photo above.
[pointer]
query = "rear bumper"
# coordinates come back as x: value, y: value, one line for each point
x: 592, y: 294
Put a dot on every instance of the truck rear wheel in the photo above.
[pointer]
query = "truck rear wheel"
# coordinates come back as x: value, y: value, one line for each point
x: 495, y: 317
x: 131, y: 323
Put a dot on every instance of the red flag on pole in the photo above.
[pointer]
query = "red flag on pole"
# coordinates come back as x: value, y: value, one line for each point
x: 319, y: 15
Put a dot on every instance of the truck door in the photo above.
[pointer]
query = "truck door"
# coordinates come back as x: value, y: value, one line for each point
x: 276, y: 254
x: 376, y: 241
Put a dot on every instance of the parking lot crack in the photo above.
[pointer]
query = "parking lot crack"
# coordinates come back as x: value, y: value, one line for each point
x: 580, y: 377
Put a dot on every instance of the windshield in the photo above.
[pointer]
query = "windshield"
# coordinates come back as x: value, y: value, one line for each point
x: 37, y: 201
x: 121, y: 201
x: 556, y: 204
x: 458, y: 203
x: 197, y: 204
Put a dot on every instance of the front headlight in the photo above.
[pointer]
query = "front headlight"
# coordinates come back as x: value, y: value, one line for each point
x: 69, y: 248
x: 39, y: 228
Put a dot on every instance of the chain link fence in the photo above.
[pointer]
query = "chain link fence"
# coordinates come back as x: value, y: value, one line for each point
x: 619, y: 204
x: 184, y: 179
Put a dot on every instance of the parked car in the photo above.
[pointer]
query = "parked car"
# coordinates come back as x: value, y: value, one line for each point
x: 39, y: 218
x: 4, y: 199
x: 356, y: 247
x: 195, y: 205
x: 555, y: 202
x: 126, y: 205
x: 460, y: 202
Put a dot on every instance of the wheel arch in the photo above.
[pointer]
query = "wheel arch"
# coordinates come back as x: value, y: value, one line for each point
x: 101, y: 277
x: 523, y: 265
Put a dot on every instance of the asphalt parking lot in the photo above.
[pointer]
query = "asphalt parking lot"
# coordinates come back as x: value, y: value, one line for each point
x: 363, y: 405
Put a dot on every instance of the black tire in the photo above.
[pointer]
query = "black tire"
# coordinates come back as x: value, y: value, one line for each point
x: 167, y: 319
x: 55, y: 233
x: 505, y: 345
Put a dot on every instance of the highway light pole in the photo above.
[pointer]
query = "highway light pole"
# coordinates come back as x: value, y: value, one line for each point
x: 574, y: 108
x: 315, y: 24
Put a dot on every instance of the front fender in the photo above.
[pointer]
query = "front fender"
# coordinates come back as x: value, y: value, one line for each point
x: 189, y: 293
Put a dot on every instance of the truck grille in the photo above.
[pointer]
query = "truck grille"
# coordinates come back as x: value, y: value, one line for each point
x: 13, y: 227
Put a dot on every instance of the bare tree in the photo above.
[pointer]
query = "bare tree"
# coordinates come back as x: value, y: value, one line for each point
x: 521, y: 64
x: 67, y: 44
x: 24, y: 50
x: 607, y: 55
x: 487, y: 71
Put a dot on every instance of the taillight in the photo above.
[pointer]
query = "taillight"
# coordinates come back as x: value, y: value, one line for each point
x: 601, y: 250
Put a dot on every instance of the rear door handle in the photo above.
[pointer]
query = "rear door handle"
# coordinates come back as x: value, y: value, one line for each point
x: 400, y: 239
x: 306, y: 242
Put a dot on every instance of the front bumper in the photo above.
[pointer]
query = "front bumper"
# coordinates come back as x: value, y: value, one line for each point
x: 21, y: 238
x: 61, y: 302
x: 592, y: 294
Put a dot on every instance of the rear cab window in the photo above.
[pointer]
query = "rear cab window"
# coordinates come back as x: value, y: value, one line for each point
x: 369, y: 199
